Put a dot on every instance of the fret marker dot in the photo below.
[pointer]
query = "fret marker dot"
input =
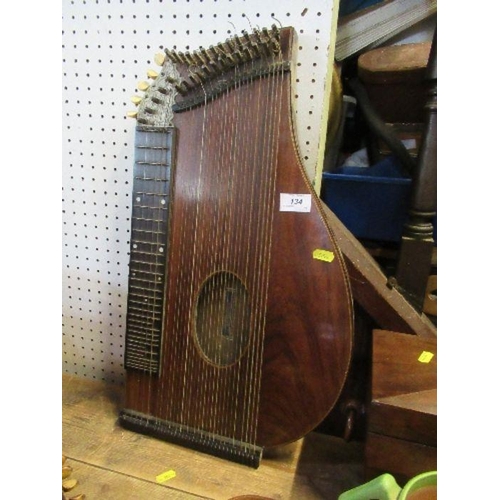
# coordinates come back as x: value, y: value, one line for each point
x: 163, y: 202
x: 161, y: 249
x: 134, y: 245
x: 138, y: 198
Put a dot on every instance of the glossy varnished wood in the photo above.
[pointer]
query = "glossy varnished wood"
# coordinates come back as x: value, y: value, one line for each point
x: 309, y: 337
x: 235, y: 156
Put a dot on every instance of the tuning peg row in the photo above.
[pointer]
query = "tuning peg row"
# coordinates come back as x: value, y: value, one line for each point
x: 205, y: 64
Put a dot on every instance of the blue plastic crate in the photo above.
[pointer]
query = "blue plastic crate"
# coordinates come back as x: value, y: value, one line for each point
x: 372, y: 202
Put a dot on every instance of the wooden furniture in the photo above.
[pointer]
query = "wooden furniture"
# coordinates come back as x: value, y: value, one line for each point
x: 378, y: 304
x: 417, y: 243
x: 372, y: 289
x: 396, y: 82
x: 110, y: 462
x: 402, y: 416
x: 393, y: 76
x: 395, y: 303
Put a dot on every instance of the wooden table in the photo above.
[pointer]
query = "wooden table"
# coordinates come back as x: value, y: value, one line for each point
x: 112, y: 463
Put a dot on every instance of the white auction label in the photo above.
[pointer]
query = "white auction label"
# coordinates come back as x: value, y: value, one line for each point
x: 295, y: 202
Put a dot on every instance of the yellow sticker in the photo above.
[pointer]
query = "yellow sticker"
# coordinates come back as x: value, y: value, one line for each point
x: 324, y: 255
x: 165, y: 476
x: 425, y: 357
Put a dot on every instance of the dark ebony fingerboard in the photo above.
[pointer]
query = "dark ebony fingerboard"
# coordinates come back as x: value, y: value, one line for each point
x: 148, y: 246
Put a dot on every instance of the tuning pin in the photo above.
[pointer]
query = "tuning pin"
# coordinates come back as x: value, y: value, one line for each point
x: 237, y: 42
x: 204, y: 55
x: 212, y: 53
x: 196, y: 56
x: 224, y: 61
x: 143, y: 86
x: 183, y: 88
x: 132, y: 114
x: 258, y: 49
x: 238, y: 56
x: 247, y: 36
x: 264, y: 43
x: 170, y: 79
x: 196, y: 79
x: 160, y: 58
x: 275, y: 46
x: 204, y: 71
x: 152, y: 74
x: 232, y: 59
x: 248, y: 53
x: 136, y: 99
x: 182, y: 58
x: 173, y: 56
x: 201, y: 74
x: 190, y: 59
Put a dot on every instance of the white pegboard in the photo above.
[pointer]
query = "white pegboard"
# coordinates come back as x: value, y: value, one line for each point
x: 108, y: 45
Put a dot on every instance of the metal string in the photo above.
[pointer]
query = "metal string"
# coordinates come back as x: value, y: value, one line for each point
x: 213, y: 383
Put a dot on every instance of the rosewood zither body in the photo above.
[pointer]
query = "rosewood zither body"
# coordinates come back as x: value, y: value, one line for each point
x: 239, y: 325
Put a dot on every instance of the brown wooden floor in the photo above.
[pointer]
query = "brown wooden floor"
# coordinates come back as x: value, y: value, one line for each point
x: 112, y: 463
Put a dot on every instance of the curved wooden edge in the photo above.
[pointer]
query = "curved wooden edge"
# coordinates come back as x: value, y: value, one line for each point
x: 386, y: 305
x: 321, y: 314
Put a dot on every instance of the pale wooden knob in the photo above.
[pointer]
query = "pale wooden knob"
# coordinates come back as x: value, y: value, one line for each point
x: 132, y: 114
x: 143, y: 85
x: 136, y: 99
x: 160, y: 58
x: 152, y: 74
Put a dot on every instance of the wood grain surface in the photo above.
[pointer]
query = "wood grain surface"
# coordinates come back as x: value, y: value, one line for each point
x: 112, y: 463
x: 402, y: 423
x: 371, y: 289
x: 236, y: 155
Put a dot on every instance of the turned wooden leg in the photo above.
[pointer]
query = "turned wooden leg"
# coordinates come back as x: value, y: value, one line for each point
x: 417, y: 242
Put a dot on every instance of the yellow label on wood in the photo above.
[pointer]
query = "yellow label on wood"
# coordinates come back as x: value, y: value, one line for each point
x: 425, y: 357
x: 165, y: 476
x: 324, y: 255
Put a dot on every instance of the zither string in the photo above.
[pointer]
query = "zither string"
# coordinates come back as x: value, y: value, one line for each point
x: 173, y: 386
x: 253, y: 266
x: 241, y: 165
x: 269, y: 201
x: 219, y: 125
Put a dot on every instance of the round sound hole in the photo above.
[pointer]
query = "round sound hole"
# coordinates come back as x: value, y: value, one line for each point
x: 222, y: 318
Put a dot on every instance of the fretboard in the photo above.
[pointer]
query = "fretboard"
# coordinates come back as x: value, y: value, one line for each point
x: 148, y: 246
